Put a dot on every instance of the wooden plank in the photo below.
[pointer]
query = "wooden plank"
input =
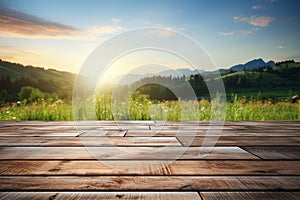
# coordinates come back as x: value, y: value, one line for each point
x: 153, y: 167
x: 169, y: 133
x: 240, y: 141
x: 75, y: 123
x: 101, y: 195
x: 39, y: 133
x: 150, y: 123
x: 123, y: 153
x: 229, y: 123
x: 249, y: 195
x: 275, y: 152
x: 87, y: 141
x: 188, y: 127
x: 176, y: 183
x: 97, y: 133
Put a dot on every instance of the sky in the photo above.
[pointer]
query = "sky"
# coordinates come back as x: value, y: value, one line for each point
x: 62, y: 34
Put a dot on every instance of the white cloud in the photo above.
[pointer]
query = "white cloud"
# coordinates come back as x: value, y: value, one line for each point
x: 255, y: 20
x: 240, y: 18
x: 166, y: 32
x: 260, y: 21
x: 116, y: 20
x: 280, y: 47
x: 245, y: 32
x: 257, y: 7
x: 18, y: 24
x: 226, y: 33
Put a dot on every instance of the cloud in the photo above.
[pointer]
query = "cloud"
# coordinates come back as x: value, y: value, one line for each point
x: 166, y: 32
x: 116, y: 20
x: 257, y: 7
x: 97, y: 31
x: 280, y: 47
x: 241, y: 32
x: 255, y: 20
x: 260, y: 21
x: 18, y: 24
x: 226, y: 33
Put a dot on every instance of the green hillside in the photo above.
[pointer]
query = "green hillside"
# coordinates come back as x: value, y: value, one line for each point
x: 278, y: 83
x: 14, y: 76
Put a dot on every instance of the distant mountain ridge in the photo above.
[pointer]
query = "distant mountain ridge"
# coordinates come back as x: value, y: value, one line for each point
x: 253, y: 64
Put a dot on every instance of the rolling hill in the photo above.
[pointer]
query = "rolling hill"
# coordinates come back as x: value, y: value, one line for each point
x: 14, y: 76
x: 283, y: 76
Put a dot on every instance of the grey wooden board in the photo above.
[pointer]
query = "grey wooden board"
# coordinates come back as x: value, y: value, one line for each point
x: 123, y: 153
x: 250, y: 195
x: 88, y: 141
x: 240, y: 141
x: 176, y: 183
x: 275, y: 152
x: 153, y: 167
x: 100, y: 195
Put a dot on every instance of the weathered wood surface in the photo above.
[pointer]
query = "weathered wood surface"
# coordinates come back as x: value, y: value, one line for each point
x: 149, y: 160
x: 153, y: 167
x: 101, y: 195
x: 249, y: 195
x: 160, y: 183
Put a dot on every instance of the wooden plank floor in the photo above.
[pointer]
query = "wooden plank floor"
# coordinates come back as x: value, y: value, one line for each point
x: 149, y: 160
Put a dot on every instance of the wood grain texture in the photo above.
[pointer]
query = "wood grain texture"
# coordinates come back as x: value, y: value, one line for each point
x: 87, y: 141
x: 107, y: 153
x: 275, y: 152
x: 175, y: 183
x: 240, y: 141
x: 100, y: 195
x: 227, y: 133
x: 153, y: 167
x: 58, y: 160
x: 249, y: 195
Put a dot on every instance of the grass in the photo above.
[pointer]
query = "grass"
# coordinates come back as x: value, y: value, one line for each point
x: 142, y: 108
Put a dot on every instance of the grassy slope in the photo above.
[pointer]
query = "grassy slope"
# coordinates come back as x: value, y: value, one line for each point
x: 16, y: 71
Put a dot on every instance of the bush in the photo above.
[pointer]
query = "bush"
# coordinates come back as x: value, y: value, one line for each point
x: 30, y: 94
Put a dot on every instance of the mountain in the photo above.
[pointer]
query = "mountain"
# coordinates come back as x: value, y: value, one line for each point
x: 253, y: 64
x: 130, y: 78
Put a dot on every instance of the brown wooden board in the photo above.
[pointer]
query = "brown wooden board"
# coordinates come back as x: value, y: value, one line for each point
x: 254, y: 133
x: 100, y: 195
x: 240, y: 141
x: 275, y: 152
x: 108, y: 153
x: 153, y: 167
x: 130, y: 183
x: 87, y: 141
x: 249, y: 195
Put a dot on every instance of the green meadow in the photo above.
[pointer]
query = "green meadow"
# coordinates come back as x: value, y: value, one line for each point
x: 142, y: 108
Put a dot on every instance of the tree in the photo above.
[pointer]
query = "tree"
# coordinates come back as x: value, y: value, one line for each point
x: 3, y: 95
x: 30, y: 94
